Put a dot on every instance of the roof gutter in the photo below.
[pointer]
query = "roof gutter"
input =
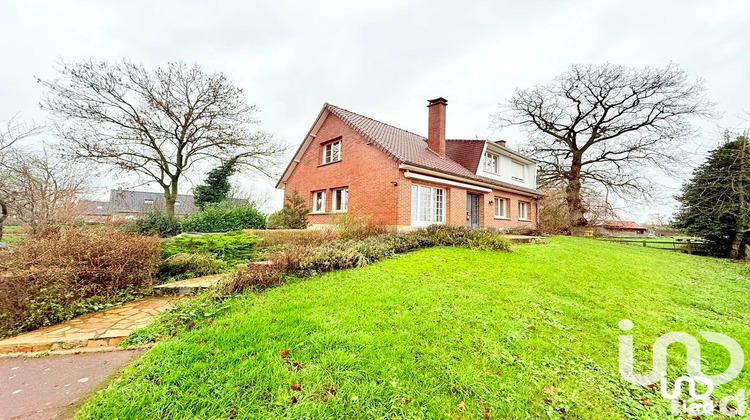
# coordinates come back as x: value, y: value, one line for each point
x: 477, y: 185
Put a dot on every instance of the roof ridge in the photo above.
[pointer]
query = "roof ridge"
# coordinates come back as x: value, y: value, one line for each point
x: 373, y: 119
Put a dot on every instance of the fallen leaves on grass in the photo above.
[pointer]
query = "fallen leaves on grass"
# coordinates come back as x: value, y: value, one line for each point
x: 295, y: 387
x: 284, y: 353
x: 531, y: 327
x: 462, y: 406
x: 293, y: 400
x: 549, y: 389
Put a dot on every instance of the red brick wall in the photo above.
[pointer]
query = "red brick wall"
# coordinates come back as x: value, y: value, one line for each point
x: 368, y: 172
x: 364, y: 169
x: 456, y: 206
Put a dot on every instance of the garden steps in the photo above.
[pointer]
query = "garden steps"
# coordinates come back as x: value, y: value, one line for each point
x: 103, y: 329
x: 190, y: 286
x: 525, y: 239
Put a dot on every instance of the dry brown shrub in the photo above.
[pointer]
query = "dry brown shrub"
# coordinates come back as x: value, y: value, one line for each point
x: 51, y: 278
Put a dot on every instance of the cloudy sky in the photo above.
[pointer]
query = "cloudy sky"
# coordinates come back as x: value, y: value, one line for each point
x: 382, y: 59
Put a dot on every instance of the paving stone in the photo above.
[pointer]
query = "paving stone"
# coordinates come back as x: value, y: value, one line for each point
x: 99, y: 329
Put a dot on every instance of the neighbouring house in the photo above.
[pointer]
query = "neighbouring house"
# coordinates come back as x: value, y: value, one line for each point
x: 349, y: 162
x: 620, y: 228
x: 94, y: 211
x: 127, y: 205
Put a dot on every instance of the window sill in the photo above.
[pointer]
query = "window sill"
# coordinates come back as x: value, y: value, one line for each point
x: 329, y: 163
x: 502, y: 218
x: 313, y: 213
x: 524, y: 220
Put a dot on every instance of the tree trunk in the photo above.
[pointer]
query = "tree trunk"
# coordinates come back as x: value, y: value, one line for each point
x: 734, y: 252
x: 170, y: 197
x: 576, y: 209
x: 3, y: 216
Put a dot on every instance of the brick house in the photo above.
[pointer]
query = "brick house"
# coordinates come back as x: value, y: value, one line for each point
x: 349, y: 162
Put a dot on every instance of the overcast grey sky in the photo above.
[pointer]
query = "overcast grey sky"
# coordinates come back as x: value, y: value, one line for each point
x: 382, y: 59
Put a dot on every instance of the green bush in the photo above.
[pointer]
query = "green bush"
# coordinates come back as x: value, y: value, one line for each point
x: 292, y: 215
x: 224, y: 217
x: 186, y: 266
x: 154, y: 223
x: 230, y: 247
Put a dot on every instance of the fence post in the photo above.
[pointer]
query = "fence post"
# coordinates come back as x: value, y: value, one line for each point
x: 644, y: 243
x: 689, y: 247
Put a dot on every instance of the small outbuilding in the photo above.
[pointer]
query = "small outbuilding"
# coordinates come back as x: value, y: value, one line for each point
x: 621, y: 228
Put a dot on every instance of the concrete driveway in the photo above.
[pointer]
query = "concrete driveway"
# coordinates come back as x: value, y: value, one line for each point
x: 49, y: 387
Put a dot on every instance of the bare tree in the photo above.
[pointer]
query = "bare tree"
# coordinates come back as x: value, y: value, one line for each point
x: 157, y: 123
x: 15, y: 130
x: 602, y: 125
x: 43, y: 190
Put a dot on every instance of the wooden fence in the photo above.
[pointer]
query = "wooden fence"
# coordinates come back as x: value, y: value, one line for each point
x: 689, y: 246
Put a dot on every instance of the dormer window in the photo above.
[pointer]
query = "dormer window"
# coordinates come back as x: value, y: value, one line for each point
x: 332, y: 152
x: 492, y: 163
x: 518, y: 171
x: 148, y: 201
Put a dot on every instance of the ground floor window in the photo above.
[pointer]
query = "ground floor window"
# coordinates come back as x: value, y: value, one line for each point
x: 501, y: 207
x: 523, y: 210
x: 340, y: 199
x: 319, y: 202
x: 427, y: 205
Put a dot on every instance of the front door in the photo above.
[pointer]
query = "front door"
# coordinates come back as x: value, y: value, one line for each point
x: 472, y: 210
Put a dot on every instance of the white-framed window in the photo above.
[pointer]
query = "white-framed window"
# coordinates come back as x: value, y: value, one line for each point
x: 148, y: 201
x: 518, y: 171
x: 501, y: 207
x: 523, y: 210
x: 340, y: 199
x: 492, y: 163
x: 427, y: 205
x: 319, y: 202
x: 332, y: 152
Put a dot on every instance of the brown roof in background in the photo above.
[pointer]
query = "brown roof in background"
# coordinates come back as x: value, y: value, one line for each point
x: 409, y: 148
x: 621, y: 224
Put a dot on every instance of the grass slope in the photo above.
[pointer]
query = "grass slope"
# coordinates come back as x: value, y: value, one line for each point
x: 444, y: 333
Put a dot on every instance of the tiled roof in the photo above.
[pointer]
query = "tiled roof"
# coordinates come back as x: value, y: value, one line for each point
x: 468, y: 153
x: 124, y: 201
x: 621, y: 224
x: 409, y: 148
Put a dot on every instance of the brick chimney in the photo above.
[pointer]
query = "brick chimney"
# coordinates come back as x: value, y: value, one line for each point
x: 436, y: 128
x: 500, y: 142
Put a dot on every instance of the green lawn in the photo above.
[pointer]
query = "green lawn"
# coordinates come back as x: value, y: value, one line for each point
x: 444, y: 333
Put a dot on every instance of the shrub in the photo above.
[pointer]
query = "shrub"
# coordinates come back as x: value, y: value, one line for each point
x: 292, y: 215
x: 185, y: 266
x: 224, y: 217
x: 154, y: 223
x: 230, y: 247
x: 355, y: 226
x: 357, y: 253
x: 255, y: 277
x: 72, y: 271
x: 272, y: 238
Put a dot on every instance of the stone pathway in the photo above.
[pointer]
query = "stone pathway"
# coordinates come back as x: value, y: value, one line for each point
x: 100, y: 329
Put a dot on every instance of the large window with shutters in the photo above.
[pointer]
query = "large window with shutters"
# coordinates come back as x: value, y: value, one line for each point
x: 427, y: 205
